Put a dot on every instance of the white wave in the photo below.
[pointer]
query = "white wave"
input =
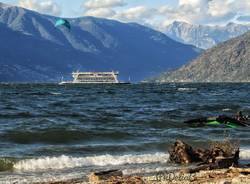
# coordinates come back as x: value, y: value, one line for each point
x: 245, y: 154
x: 227, y: 109
x: 187, y: 89
x: 54, y: 93
x: 64, y: 162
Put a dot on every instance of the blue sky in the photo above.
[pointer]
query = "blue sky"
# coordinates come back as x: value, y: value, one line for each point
x: 155, y: 13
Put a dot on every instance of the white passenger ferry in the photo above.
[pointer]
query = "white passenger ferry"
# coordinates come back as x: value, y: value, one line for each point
x: 94, y: 78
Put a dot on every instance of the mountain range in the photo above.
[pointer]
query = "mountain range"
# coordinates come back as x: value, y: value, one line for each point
x: 226, y: 62
x: 32, y: 49
x: 204, y: 36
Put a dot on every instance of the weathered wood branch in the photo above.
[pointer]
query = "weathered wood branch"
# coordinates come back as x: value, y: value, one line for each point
x: 208, y: 159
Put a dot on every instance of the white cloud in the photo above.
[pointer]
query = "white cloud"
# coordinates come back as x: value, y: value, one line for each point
x: 46, y: 6
x: 205, y: 11
x: 193, y: 3
x: 220, y: 8
x: 102, y: 8
x: 100, y: 12
x: 96, y: 4
x: 242, y: 6
x: 192, y: 11
x: 135, y: 14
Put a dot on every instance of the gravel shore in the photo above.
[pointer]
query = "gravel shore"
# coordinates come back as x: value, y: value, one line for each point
x: 223, y: 176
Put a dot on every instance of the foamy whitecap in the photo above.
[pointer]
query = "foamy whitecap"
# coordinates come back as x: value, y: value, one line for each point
x: 226, y: 109
x: 187, y: 89
x: 245, y: 154
x: 64, y: 162
x: 54, y: 93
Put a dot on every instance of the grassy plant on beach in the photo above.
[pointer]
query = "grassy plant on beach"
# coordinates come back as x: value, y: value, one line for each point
x: 228, y: 145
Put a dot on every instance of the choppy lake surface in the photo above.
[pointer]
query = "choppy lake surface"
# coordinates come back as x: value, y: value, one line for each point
x: 51, y: 132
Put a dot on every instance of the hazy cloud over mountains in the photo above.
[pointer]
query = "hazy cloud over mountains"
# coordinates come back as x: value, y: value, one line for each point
x: 46, y: 6
x: 102, y: 8
x: 159, y: 15
x: 192, y: 11
x: 95, y: 4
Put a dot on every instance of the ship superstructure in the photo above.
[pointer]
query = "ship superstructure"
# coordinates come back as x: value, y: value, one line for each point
x: 94, y: 78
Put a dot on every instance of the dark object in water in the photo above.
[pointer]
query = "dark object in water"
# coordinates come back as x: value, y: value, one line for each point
x: 218, y: 121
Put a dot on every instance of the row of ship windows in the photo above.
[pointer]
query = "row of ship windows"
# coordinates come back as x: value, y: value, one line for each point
x: 95, y: 79
x: 91, y: 75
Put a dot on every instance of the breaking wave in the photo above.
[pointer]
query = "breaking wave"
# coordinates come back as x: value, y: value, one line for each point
x: 187, y: 89
x: 67, y: 162
x: 245, y: 154
x: 64, y: 162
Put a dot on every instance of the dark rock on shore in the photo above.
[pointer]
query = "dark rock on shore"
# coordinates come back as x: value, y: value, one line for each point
x: 214, y: 158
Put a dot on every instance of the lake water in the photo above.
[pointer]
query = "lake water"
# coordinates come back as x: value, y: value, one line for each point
x: 51, y: 132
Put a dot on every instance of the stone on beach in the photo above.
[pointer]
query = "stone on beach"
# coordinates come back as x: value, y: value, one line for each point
x: 209, y: 159
x: 104, y: 175
x: 182, y: 153
x: 113, y: 177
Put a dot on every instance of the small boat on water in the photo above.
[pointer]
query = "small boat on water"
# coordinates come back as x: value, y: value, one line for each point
x: 230, y: 122
x: 94, y: 78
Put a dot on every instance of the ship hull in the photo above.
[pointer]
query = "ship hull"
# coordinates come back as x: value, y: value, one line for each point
x: 85, y: 83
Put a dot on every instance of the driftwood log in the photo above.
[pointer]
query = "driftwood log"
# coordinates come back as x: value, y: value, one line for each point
x: 207, y: 159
